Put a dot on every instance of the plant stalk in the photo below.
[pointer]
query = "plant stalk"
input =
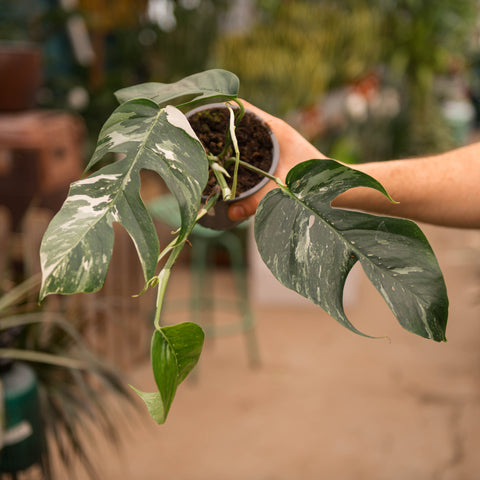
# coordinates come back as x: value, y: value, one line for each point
x: 241, y: 113
x: 263, y: 173
x: 175, y: 248
x: 233, y: 137
x: 163, y: 278
x: 238, y: 119
x: 208, y: 205
x: 219, y: 173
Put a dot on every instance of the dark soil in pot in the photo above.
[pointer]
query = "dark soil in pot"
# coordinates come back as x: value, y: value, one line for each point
x: 254, y: 142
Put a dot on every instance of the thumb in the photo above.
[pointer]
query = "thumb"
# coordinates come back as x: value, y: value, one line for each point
x: 243, y: 209
x: 247, y: 207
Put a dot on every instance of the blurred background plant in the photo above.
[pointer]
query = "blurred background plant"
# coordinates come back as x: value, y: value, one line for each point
x: 359, y: 78
x: 290, y: 57
x: 92, y: 48
x: 75, y: 388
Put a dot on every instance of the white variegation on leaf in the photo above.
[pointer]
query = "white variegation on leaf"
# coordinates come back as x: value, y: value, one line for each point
x: 311, y: 247
x: 77, y: 246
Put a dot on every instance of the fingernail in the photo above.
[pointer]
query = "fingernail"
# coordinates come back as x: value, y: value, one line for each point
x: 237, y: 212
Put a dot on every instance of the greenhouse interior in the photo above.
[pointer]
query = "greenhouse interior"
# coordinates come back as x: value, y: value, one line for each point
x: 307, y: 335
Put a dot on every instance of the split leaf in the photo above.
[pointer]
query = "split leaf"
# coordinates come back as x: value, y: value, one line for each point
x: 311, y: 247
x: 77, y: 246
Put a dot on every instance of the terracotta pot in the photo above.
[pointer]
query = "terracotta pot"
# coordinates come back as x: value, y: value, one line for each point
x: 20, y: 75
x: 217, y: 217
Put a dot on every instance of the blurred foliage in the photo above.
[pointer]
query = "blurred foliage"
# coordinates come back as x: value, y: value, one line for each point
x: 107, y: 15
x: 133, y: 49
x: 421, y: 38
x: 422, y: 41
x: 292, y: 54
x: 73, y: 382
x: 298, y: 51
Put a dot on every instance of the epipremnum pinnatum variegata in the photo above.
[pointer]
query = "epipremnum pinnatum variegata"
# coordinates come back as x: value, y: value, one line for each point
x: 308, y: 245
x: 311, y: 247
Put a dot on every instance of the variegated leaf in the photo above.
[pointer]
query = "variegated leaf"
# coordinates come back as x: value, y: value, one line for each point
x: 77, y: 245
x: 204, y: 87
x: 311, y: 247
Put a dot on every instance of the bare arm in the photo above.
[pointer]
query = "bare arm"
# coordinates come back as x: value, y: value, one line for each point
x: 442, y: 189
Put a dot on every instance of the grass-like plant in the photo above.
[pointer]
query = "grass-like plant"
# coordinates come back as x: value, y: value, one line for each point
x: 72, y: 382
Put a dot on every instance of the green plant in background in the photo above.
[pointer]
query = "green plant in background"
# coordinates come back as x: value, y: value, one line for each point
x: 309, y: 246
x: 297, y: 52
x: 145, y: 51
x: 421, y: 41
x: 127, y: 50
x: 73, y: 383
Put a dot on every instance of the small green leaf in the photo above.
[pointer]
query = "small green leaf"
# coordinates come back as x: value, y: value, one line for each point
x: 153, y: 401
x: 77, y: 246
x: 186, y: 340
x: 205, y: 87
x: 311, y: 247
x: 175, y: 351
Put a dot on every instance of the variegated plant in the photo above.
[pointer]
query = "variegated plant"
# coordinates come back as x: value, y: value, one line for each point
x: 308, y: 245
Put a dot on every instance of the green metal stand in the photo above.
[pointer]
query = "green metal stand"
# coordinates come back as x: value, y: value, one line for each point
x: 202, y: 303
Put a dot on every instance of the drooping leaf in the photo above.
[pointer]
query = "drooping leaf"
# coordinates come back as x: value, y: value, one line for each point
x: 204, y: 87
x: 154, y: 404
x: 175, y: 351
x: 77, y: 245
x: 311, y: 247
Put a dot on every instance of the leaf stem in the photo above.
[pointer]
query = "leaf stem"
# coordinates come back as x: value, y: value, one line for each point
x: 220, y: 173
x: 167, y: 249
x: 163, y: 278
x: 228, y: 133
x: 208, y: 205
x: 175, y: 247
x: 277, y: 180
x: 233, y: 138
x: 241, y: 112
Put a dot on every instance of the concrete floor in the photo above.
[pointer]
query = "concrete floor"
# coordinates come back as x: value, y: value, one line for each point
x: 325, y: 403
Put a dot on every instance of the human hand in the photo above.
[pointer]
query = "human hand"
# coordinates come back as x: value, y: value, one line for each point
x: 294, y: 148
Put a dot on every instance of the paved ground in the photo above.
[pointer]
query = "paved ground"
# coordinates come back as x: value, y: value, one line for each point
x: 325, y: 404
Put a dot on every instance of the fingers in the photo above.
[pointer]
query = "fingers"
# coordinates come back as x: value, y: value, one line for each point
x: 241, y: 210
x: 264, y: 115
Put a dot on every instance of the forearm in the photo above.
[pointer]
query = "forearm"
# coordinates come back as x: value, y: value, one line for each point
x: 442, y: 189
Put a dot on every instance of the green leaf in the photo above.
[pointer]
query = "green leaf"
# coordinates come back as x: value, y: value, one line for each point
x: 175, y: 351
x: 204, y: 87
x: 154, y: 403
x: 311, y: 247
x: 77, y: 245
